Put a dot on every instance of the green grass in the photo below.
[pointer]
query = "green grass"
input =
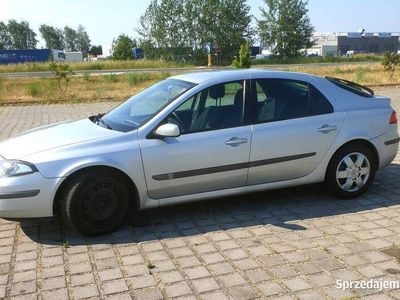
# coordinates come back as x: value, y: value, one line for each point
x: 86, y: 76
x: 110, y: 87
x: 157, y: 64
x: 318, y: 59
x: 111, y: 78
x: 136, y: 78
x: 33, y: 89
x: 95, y: 65
x: 121, y: 87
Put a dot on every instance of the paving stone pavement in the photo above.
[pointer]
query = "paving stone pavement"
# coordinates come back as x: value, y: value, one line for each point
x: 287, y: 244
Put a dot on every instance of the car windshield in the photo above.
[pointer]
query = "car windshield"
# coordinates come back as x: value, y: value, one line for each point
x: 143, y: 106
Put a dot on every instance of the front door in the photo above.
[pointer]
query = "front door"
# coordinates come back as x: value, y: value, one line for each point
x: 212, y: 152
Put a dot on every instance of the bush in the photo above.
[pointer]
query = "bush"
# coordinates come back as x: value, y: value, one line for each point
x: 86, y: 76
x: 244, y: 57
x: 391, y: 61
x: 33, y: 89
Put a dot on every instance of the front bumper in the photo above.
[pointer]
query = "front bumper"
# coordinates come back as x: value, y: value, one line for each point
x: 27, y: 196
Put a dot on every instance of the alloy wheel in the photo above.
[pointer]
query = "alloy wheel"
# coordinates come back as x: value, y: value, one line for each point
x: 353, y: 172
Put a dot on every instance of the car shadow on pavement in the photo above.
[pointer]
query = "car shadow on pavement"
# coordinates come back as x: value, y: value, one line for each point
x: 285, y: 209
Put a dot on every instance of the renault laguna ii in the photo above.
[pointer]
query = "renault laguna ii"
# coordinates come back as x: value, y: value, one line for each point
x: 199, y: 136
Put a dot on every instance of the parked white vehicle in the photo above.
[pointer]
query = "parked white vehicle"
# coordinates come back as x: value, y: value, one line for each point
x: 199, y: 136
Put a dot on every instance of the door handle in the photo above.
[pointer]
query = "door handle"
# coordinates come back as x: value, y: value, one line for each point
x: 235, y: 141
x: 327, y: 128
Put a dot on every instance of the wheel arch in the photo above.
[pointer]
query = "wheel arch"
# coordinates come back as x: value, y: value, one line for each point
x: 364, y: 142
x: 135, y: 202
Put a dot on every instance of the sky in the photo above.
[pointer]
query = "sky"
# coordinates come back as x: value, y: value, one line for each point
x: 105, y: 20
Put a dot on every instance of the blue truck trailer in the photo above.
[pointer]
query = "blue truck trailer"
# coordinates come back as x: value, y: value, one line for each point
x: 16, y: 56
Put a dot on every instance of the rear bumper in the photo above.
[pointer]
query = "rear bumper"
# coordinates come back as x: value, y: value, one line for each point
x: 388, y: 147
x: 28, y: 196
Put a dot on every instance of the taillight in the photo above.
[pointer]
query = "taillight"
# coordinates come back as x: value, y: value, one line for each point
x: 393, y: 118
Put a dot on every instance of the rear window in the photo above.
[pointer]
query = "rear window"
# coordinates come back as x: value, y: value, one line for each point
x: 352, y: 87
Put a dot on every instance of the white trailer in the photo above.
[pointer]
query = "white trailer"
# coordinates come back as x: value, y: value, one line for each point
x: 73, y: 56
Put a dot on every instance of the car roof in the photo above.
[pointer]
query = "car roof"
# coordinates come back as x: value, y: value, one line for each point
x: 212, y: 76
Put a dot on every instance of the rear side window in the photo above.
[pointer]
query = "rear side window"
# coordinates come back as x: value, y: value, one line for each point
x: 319, y: 104
x: 283, y: 99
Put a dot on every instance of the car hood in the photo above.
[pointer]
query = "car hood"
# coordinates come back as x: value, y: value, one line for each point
x: 52, y: 136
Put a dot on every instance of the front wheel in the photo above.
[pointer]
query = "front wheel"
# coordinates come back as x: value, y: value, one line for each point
x: 95, y: 202
x: 351, y: 171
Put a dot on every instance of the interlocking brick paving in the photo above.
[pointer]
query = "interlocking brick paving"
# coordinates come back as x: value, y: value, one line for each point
x: 287, y: 244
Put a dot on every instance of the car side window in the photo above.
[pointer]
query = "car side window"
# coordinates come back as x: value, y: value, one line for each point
x: 219, y: 106
x: 282, y: 100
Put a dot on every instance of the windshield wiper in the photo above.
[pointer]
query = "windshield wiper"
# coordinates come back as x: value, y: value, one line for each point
x: 99, y: 121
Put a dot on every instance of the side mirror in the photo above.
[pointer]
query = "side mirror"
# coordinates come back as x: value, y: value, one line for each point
x: 168, y: 130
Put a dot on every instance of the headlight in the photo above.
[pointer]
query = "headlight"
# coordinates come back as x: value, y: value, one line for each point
x: 10, y: 168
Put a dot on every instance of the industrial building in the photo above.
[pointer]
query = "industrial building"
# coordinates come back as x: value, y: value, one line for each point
x: 368, y: 42
x: 354, y: 42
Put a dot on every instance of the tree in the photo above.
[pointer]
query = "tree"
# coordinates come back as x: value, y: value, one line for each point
x: 70, y: 37
x: 121, y: 48
x: 54, y: 37
x: 22, y: 36
x: 62, y: 73
x: 5, y: 38
x: 391, y: 61
x: 96, y: 50
x: 285, y: 27
x: 82, y: 39
x: 179, y: 29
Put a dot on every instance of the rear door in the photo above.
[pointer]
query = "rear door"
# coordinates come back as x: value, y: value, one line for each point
x: 294, y: 126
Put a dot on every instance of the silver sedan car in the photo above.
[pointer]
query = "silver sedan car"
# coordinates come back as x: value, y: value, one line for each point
x: 199, y: 136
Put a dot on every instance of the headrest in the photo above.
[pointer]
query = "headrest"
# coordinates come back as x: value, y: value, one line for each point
x: 239, y: 98
x: 217, y: 91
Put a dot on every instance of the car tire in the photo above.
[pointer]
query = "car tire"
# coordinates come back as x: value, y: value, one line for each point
x: 351, y: 171
x: 95, y: 202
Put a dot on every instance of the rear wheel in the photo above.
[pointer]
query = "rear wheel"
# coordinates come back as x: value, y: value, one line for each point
x: 95, y: 202
x: 351, y: 171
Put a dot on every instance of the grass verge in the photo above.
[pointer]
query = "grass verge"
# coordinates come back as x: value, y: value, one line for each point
x: 319, y: 59
x: 114, y: 87
x: 365, y: 75
x: 154, y: 64
x: 95, y: 65
x: 80, y: 89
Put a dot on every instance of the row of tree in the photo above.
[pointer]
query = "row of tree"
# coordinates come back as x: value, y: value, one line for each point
x: 15, y: 35
x: 172, y: 29
x: 67, y: 38
x: 180, y: 29
x: 19, y: 35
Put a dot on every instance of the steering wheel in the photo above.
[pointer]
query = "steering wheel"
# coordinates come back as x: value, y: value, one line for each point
x: 178, y: 120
